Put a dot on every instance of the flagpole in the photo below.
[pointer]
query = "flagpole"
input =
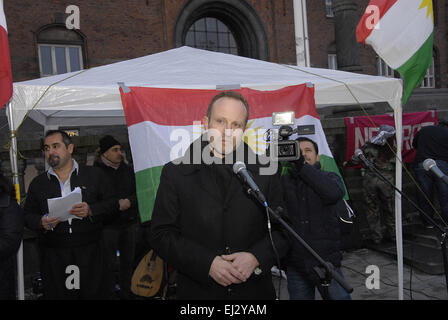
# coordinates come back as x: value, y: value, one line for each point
x: 398, y: 183
x: 301, y: 33
x: 15, y: 180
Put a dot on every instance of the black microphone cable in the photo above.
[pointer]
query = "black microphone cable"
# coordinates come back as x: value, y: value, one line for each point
x: 277, y: 256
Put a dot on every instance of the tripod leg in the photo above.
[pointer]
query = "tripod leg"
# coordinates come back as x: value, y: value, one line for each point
x: 445, y: 262
x: 324, y: 291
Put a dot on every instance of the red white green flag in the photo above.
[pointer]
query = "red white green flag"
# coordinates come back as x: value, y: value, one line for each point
x: 401, y: 33
x: 5, y: 61
x: 162, y: 123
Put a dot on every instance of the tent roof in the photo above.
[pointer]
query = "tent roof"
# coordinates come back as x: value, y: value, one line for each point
x: 91, y: 96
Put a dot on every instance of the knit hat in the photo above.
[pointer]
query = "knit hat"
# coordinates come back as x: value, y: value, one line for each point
x: 107, y: 142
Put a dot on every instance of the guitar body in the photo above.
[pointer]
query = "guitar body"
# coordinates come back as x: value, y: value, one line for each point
x: 148, y: 276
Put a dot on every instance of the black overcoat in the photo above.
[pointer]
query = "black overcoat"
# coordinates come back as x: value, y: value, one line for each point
x: 192, y: 224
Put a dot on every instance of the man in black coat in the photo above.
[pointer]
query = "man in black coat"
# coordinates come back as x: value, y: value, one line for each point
x: 311, y: 196
x: 205, y: 225
x: 73, y: 265
x: 431, y: 142
x: 120, y: 228
x: 11, y: 232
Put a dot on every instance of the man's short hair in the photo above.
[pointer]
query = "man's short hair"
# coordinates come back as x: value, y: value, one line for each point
x: 65, y: 137
x: 232, y: 95
x: 316, y: 148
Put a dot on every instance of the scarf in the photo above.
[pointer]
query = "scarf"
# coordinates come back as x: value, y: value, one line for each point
x: 110, y: 163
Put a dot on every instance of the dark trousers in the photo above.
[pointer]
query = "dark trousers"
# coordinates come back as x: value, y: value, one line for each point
x: 301, y: 287
x: 428, y: 182
x: 7, y: 279
x: 60, y: 266
x: 122, y: 239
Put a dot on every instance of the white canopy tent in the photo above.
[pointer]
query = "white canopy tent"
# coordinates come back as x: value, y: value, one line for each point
x: 84, y: 97
x: 91, y: 97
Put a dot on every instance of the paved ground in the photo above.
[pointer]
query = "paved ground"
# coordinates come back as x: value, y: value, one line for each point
x: 417, y: 285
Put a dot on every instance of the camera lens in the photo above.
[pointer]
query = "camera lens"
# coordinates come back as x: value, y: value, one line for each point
x: 286, y: 150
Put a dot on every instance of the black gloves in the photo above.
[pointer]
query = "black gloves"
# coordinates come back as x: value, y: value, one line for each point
x: 297, y: 165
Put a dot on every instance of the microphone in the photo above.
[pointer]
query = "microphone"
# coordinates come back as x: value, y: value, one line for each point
x: 360, y: 155
x: 239, y: 168
x: 430, y: 165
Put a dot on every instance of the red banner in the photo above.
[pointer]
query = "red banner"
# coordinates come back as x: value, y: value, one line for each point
x: 361, y: 129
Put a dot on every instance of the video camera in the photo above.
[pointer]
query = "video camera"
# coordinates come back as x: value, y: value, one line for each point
x: 282, y: 148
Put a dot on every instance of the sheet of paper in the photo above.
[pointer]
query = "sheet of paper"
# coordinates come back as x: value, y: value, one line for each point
x: 60, y: 207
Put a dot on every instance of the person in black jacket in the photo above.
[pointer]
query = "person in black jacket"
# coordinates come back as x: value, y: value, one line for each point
x: 311, y: 197
x: 431, y: 142
x: 73, y: 265
x: 121, y: 226
x: 11, y: 232
x: 205, y: 225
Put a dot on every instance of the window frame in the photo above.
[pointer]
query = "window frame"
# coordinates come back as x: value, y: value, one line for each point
x: 228, y: 32
x: 429, y: 77
x: 53, y: 57
x: 334, y: 59
x: 240, y: 17
x: 390, y: 73
x: 329, y: 13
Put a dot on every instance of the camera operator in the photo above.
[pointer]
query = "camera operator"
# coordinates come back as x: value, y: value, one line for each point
x: 311, y: 196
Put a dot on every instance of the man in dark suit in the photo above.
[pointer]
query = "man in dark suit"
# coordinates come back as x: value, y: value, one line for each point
x: 73, y: 264
x: 205, y: 225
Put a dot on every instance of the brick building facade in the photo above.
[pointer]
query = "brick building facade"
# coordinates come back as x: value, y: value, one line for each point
x: 115, y: 30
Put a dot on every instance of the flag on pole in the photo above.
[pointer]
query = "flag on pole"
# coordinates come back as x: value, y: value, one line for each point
x: 5, y: 61
x: 401, y: 33
x: 162, y: 123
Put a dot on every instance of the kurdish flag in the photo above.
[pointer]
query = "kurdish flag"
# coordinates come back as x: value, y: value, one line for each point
x: 162, y: 123
x: 5, y: 61
x: 401, y: 33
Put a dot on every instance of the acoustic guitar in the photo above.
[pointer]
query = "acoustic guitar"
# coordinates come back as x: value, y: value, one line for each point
x: 148, y: 275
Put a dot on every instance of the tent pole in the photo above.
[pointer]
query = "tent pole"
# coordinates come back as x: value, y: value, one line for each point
x: 398, y: 183
x: 15, y: 180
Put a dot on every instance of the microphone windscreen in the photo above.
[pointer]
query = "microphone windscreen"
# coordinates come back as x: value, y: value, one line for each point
x: 237, y: 166
x: 428, y: 164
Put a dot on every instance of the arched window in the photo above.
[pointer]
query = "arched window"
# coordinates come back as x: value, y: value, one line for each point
x: 60, y: 50
x: 211, y: 34
x: 231, y: 26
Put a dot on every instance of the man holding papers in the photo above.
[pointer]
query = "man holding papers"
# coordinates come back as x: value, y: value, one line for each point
x: 72, y: 255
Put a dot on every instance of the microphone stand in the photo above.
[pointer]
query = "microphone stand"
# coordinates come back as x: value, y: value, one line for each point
x: 443, y: 230
x: 326, y: 270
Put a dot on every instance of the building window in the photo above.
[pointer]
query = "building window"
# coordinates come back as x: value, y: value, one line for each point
x: 231, y: 26
x: 429, y: 81
x: 329, y: 8
x: 383, y: 68
x: 211, y: 34
x: 60, y: 50
x: 332, y: 61
x: 57, y: 59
